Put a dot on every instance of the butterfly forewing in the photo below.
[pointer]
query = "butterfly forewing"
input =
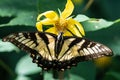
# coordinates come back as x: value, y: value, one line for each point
x: 42, y: 48
x: 34, y: 41
x: 82, y: 49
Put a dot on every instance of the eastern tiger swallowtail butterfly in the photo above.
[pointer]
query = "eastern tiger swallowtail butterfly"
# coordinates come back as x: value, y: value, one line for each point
x: 57, y: 52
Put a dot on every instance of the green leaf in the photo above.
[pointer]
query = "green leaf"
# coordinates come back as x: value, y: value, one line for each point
x: 96, y: 24
x: 26, y: 67
x: 21, y: 77
x: 82, y: 70
x: 22, y: 14
x: 93, y: 24
x: 75, y: 77
x: 81, y: 18
x: 49, y: 76
x: 115, y: 45
x: 113, y: 75
x: 44, y: 5
x: 23, y: 18
x: 7, y: 47
x: 6, y: 12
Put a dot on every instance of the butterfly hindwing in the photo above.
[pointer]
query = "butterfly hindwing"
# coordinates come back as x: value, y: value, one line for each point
x: 42, y: 47
x: 22, y: 40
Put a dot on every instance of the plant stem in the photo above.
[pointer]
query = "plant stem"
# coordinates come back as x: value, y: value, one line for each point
x: 89, y: 3
x: 38, y: 6
x: 61, y: 75
x: 58, y: 75
x: 7, y: 68
x: 117, y: 21
x: 42, y: 74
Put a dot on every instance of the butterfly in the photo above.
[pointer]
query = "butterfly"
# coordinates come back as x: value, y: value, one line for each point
x: 58, y: 52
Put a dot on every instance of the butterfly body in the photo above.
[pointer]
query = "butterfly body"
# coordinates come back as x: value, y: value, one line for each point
x: 57, y: 52
x: 58, y: 44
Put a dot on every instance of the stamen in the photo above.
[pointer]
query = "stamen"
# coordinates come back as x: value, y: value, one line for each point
x: 61, y: 25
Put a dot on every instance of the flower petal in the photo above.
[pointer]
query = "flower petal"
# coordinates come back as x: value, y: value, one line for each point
x: 74, y: 31
x: 52, y: 30
x: 48, y: 14
x: 67, y: 33
x: 47, y: 22
x: 78, y: 26
x: 39, y: 26
x: 68, y: 9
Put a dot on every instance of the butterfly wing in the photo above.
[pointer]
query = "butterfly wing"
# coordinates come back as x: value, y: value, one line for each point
x: 80, y: 49
x: 41, y: 46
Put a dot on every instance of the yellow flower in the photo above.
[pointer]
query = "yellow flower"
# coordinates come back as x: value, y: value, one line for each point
x: 103, y: 62
x: 60, y: 23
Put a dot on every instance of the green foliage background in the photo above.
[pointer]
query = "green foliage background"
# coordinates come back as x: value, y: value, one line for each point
x: 102, y: 26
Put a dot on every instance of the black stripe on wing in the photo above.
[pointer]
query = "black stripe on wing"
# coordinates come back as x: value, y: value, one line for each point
x: 35, y: 39
x: 20, y: 39
x: 91, y: 50
x: 85, y: 49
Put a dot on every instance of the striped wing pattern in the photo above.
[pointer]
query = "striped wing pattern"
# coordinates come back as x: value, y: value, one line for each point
x: 41, y: 47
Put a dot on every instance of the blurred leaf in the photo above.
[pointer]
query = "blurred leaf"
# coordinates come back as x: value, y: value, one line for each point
x: 96, y: 24
x: 113, y: 75
x: 21, y: 77
x: 13, y: 7
x: 45, y: 5
x: 23, y: 18
x: 26, y: 67
x: 82, y: 70
x: 7, y: 68
x: 6, y: 11
x: 75, y: 77
x: 115, y: 45
x: 49, y: 76
x: 103, y: 62
x: 108, y: 9
x: 7, y: 47
x: 81, y: 18
x: 23, y: 14
x: 93, y: 24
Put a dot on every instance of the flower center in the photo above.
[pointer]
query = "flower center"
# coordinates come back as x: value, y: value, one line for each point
x: 61, y: 25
